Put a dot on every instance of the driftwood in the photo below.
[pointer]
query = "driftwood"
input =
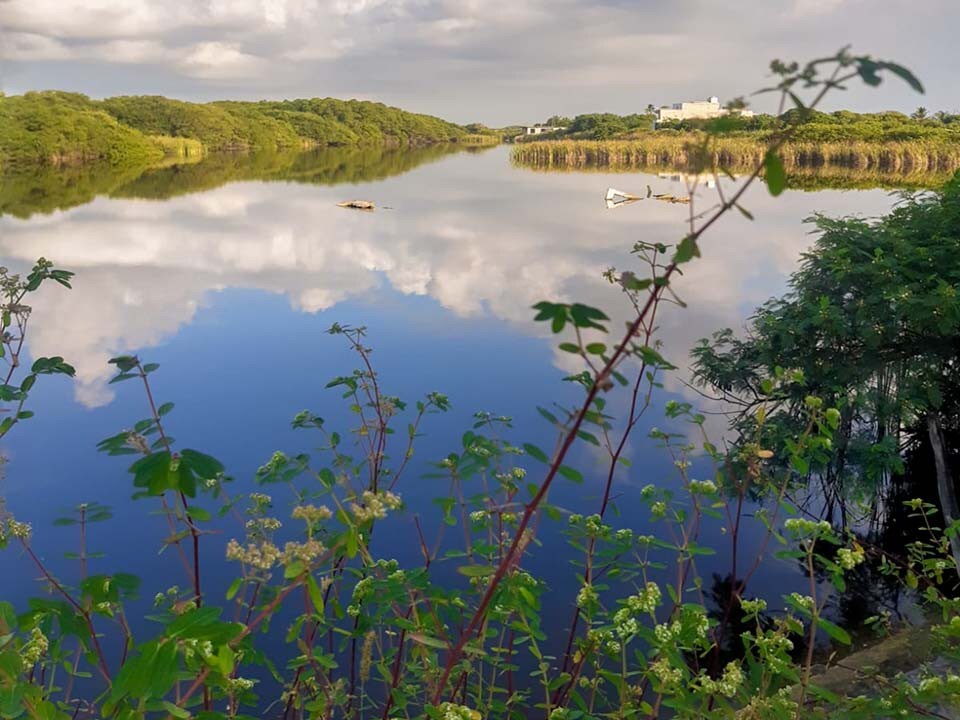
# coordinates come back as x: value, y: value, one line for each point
x: 357, y: 204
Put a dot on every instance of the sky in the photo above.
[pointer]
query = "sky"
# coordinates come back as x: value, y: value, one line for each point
x: 493, y: 61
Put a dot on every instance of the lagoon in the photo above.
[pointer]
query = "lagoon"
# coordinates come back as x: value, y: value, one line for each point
x: 229, y: 271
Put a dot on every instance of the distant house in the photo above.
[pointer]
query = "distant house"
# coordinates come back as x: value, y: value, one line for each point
x: 540, y: 129
x: 696, y: 110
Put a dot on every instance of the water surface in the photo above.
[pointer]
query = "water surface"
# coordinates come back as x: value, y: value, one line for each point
x: 229, y: 271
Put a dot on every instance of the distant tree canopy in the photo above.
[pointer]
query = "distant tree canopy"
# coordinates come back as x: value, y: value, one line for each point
x: 842, y: 125
x: 601, y: 126
x: 58, y: 127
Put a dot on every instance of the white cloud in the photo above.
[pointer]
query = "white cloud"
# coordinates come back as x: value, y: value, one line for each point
x: 25, y: 46
x: 804, y: 8
x: 218, y: 61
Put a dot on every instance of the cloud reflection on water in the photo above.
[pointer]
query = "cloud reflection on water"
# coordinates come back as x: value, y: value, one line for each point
x: 470, y: 232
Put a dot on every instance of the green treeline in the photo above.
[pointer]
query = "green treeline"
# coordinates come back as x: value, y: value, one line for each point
x: 59, y: 128
x: 839, y: 126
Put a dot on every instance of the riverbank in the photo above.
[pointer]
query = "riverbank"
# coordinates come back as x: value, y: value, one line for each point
x: 926, y: 163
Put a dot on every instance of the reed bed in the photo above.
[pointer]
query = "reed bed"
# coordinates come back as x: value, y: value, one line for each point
x: 179, y: 147
x: 478, y: 139
x: 679, y: 153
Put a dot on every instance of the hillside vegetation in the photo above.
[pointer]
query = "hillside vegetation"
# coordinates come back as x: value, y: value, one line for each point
x: 61, y: 128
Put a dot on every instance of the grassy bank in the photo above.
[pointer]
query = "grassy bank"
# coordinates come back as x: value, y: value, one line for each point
x: 917, y: 159
x: 58, y: 128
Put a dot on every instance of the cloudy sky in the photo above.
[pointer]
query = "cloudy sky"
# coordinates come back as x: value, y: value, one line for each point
x: 494, y: 61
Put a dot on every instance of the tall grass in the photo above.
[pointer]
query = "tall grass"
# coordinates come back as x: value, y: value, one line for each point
x: 179, y: 147
x: 478, y: 139
x: 678, y: 152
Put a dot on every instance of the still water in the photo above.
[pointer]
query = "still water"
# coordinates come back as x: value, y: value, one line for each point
x: 228, y: 273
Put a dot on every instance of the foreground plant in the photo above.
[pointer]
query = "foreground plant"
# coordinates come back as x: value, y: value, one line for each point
x: 369, y: 636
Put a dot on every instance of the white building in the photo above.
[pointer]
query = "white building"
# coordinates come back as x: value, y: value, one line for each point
x: 696, y: 110
x: 540, y: 129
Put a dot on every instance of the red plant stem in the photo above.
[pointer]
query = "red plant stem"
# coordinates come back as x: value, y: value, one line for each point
x: 249, y: 628
x: 395, y: 673
x: 84, y: 613
x: 456, y: 653
x: 512, y: 555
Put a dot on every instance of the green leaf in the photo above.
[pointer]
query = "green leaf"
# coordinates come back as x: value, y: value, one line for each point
x: 199, y: 514
x: 427, y: 640
x: 234, y: 588
x: 834, y: 631
x: 536, y: 453
x: 570, y: 473
x: 476, y: 570
x: 548, y: 416
x: 774, y: 174
x: 686, y: 250
x: 203, y: 465
x: 903, y: 74
x: 316, y: 597
x: 294, y: 569
x: 176, y: 710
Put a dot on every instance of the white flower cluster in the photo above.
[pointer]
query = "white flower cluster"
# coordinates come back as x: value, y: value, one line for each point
x: 728, y: 684
x: 753, y: 607
x: 311, y: 514
x: 801, y: 527
x: 773, y: 647
x: 305, y: 552
x: 658, y: 509
x: 625, y: 625
x: 587, y: 597
x: 604, y: 640
x: 240, y: 684
x: 15, y: 529
x: 624, y: 535
x: 34, y: 649
x: 262, y: 556
x: 458, y: 712
x: 260, y: 500
x: 374, y: 506
x: 948, y: 684
x: 361, y: 591
x: 668, y: 676
x: 700, y: 623
x: 804, y: 601
x: 647, y: 600
x: 667, y: 634
x: 262, y: 526
x: 595, y: 527
x: 702, y: 487
x: 192, y: 647
x: 848, y: 559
